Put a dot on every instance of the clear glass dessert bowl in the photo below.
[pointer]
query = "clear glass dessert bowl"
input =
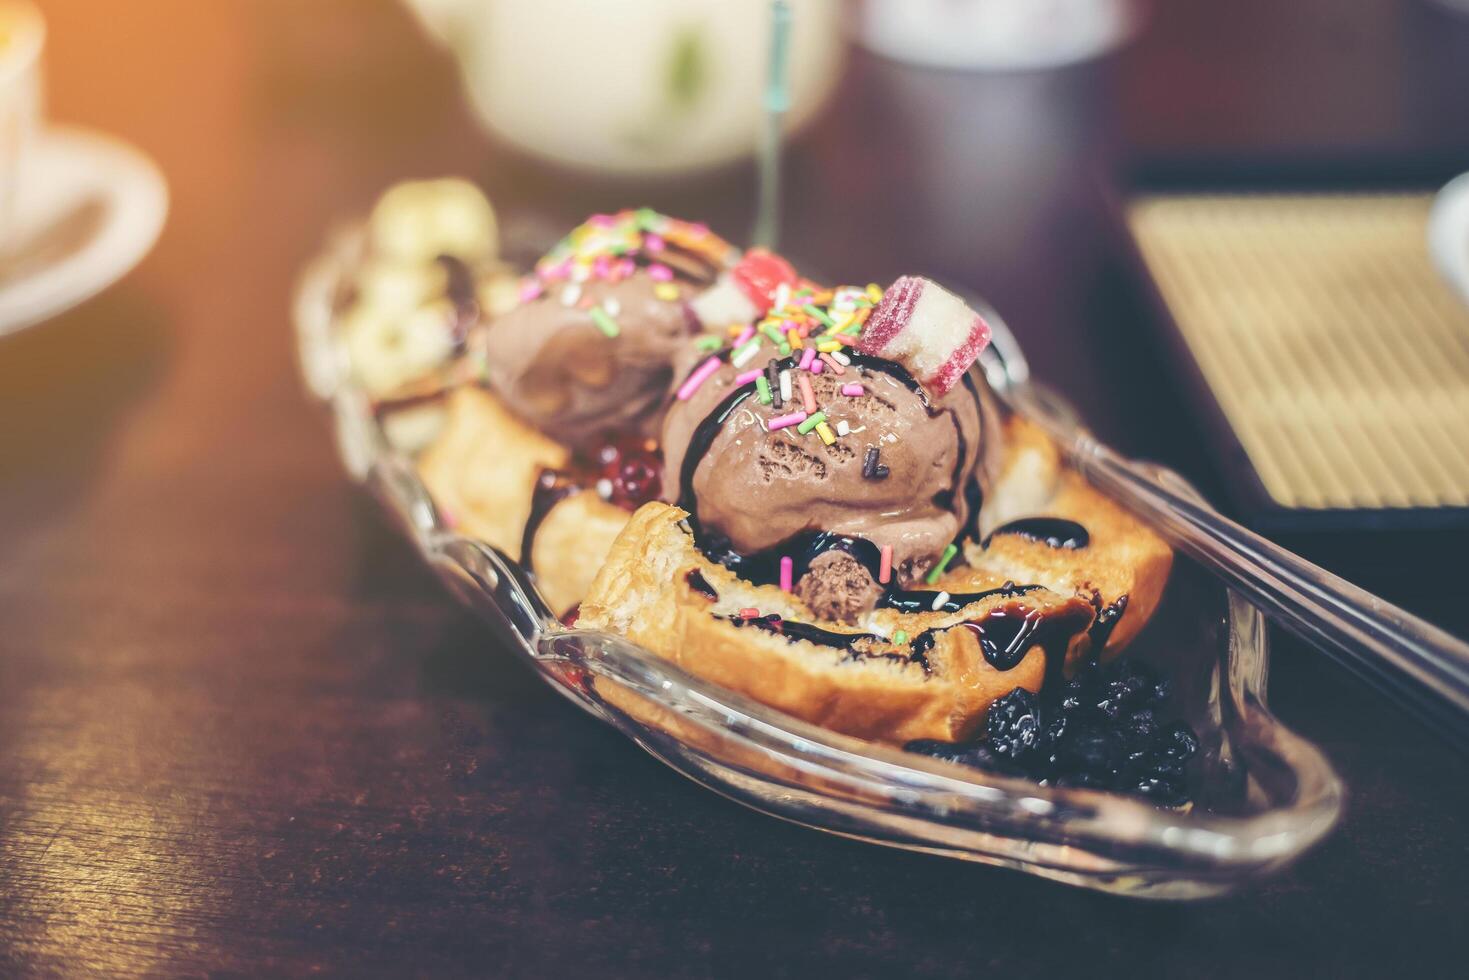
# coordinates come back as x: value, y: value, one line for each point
x: 1262, y: 794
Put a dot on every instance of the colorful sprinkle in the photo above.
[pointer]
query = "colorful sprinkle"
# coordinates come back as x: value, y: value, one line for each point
x: 787, y: 566
x: 772, y: 380
x: 782, y: 421
x: 811, y: 422
x: 769, y: 330
x: 853, y: 391
x: 745, y: 336
x: 744, y: 355
x: 793, y: 337
x: 604, y: 321
x: 570, y: 295
x: 749, y: 612
x: 818, y: 313
x: 835, y: 366
x: 785, y: 385
x: 874, y: 292
x: 666, y: 291
x: 885, y: 564
x: 937, y: 570
x: 659, y: 272
x: 708, y: 343
x: 763, y: 388
x: 829, y: 346
x: 785, y: 349
x: 654, y: 242
x: 817, y: 366
x: 939, y: 600
x: 748, y: 376
x: 701, y: 374
x: 844, y: 428
x: 530, y: 289
x: 807, y: 356
x: 823, y: 431
x: 900, y: 636
x: 807, y: 397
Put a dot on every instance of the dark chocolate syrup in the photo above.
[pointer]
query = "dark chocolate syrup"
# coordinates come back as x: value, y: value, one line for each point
x: 1105, y: 623
x: 763, y: 567
x: 1007, y: 633
x: 460, y: 290
x: 793, y: 631
x: 700, y: 584
x: 551, y: 488
x: 1055, y: 532
x: 922, y: 600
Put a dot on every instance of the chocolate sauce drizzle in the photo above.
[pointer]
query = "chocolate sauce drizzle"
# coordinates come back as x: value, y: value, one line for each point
x: 551, y: 488
x: 1106, y: 622
x: 1005, y: 635
x: 700, y: 584
x: 460, y: 291
x: 922, y: 601
x: 1054, y: 532
x: 793, y: 631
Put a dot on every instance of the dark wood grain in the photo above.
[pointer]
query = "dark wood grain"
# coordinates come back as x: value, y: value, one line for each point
x: 243, y: 733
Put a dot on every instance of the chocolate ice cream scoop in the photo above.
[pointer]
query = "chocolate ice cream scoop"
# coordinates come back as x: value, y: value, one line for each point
x: 587, y: 351
x: 560, y: 368
x: 877, y: 473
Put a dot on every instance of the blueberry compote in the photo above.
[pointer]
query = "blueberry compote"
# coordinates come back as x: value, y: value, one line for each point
x: 1099, y: 730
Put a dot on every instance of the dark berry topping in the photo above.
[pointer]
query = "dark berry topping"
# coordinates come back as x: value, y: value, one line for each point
x: 1100, y: 730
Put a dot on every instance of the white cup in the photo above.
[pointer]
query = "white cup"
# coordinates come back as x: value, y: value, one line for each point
x: 22, y: 37
x: 633, y: 86
x: 997, y: 35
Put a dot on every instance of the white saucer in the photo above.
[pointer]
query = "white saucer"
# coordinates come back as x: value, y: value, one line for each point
x: 94, y: 207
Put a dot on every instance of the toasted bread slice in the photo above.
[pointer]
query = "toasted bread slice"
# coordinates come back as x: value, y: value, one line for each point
x: 654, y: 589
x: 482, y: 469
x: 571, y: 544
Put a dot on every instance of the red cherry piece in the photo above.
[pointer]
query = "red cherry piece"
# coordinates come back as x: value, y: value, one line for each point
x: 759, y: 272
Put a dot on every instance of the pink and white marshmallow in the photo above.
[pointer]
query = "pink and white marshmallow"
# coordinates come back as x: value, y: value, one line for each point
x: 928, y: 329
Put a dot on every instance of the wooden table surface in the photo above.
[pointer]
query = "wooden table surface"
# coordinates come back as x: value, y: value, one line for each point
x: 242, y: 732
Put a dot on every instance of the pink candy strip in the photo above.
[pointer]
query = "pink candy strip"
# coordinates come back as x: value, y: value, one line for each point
x: 885, y: 564
x: 834, y: 364
x: 701, y: 374
x: 658, y: 272
x: 807, y: 356
x: 748, y: 376
x: 786, y: 568
x: 782, y: 421
x: 808, y: 398
x: 854, y: 391
x: 816, y: 366
x: 746, y: 335
x: 653, y: 243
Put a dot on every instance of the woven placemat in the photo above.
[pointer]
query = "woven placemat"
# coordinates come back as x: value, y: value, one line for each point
x: 1338, y: 356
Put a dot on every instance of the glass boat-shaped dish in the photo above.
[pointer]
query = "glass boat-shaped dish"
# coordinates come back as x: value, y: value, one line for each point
x: 1262, y: 794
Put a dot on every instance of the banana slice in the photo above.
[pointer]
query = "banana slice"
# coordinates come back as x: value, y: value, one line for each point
x: 390, y: 349
x: 417, y: 221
